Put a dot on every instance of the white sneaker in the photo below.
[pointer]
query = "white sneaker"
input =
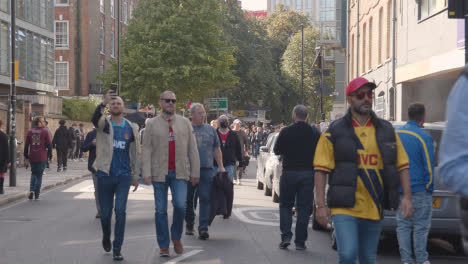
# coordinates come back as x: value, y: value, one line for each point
x: 239, y: 182
x: 82, y: 160
x: 426, y: 262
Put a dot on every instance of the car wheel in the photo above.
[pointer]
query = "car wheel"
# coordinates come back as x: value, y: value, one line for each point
x: 259, y: 185
x: 266, y: 190
x: 334, y: 245
x: 275, y: 196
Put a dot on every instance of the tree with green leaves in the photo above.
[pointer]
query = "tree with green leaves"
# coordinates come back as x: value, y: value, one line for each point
x: 174, y: 45
x: 292, y: 67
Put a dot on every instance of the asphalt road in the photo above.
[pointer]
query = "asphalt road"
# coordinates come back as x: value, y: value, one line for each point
x: 61, y: 228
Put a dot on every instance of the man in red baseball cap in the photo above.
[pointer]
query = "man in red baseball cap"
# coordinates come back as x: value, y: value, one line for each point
x: 366, y: 162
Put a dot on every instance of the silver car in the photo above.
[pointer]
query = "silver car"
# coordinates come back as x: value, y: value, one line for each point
x: 445, y: 221
x: 267, y: 168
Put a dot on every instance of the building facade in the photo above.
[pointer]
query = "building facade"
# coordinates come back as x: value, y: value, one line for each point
x: 410, y: 49
x: 34, y: 46
x: 86, y: 42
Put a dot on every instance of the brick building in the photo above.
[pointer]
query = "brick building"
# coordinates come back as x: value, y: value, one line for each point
x: 86, y: 42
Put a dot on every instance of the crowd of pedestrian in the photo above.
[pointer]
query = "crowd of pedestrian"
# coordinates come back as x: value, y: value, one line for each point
x: 367, y: 164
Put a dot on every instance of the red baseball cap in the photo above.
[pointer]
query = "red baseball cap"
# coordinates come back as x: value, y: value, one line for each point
x: 358, y: 83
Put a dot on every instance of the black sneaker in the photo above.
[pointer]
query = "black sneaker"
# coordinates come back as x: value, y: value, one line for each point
x: 284, y: 244
x: 59, y: 169
x: 189, y: 231
x: 117, y: 255
x: 203, y: 235
x: 300, y: 247
x: 106, y: 244
x: 30, y: 196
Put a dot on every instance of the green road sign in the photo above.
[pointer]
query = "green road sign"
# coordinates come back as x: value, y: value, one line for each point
x: 218, y: 104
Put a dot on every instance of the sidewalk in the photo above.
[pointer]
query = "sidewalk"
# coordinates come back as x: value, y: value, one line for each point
x: 76, y: 170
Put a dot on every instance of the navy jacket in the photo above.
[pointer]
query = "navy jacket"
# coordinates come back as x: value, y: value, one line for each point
x: 89, y: 146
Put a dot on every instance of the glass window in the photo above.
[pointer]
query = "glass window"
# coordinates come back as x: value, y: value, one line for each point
x: 328, y: 32
x: 29, y: 55
x: 308, y: 3
x: 61, y: 75
x: 112, y: 44
x: 327, y: 3
x: 50, y: 61
x: 37, y: 57
x: 287, y: 3
x: 61, y: 2
x: 43, y: 61
x: 125, y: 16
x: 43, y: 13
x: 436, y: 136
x: 4, y: 48
x: 430, y: 7
x: 101, y: 38
x: 4, y: 5
x: 61, y: 34
x: 298, y: 4
x: 101, y: 6
x: 112, y: 8
x: 131, y: 12
x: 21, y: 52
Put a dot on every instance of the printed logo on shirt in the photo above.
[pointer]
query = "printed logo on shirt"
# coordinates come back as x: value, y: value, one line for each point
x: 127, y: 136
x: 119, y: 144
x: 366, y: 159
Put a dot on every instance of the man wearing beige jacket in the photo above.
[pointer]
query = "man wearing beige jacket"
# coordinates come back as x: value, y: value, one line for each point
x: 170, y: 159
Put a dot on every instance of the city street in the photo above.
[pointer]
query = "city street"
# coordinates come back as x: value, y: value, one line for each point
x: 61, y: 228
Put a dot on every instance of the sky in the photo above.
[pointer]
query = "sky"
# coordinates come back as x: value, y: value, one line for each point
x: 254, y: 4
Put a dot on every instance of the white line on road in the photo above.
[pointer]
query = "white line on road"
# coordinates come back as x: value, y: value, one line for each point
x: 184, y: 256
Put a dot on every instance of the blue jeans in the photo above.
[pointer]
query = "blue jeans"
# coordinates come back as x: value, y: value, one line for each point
x: 202, y: 191
x: 37, y: 169
x: 356, y: 236
x: 420, y: 224
x: 229, y: 169
x: 300, y: 185
x: 108, y: 187
x: 179, y: 195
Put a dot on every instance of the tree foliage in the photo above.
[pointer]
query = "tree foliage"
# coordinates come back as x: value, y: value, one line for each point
x: 78, y: 109
x: 174, y: 45
x: 292, y: 67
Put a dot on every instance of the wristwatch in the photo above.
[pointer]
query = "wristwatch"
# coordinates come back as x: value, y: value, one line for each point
x: 320, y: 206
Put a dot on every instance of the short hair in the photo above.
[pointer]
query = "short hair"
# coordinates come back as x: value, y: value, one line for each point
x: 36, y: 120
x: 74, y: 124
x: 81, y: 125
x: 301, y: 112
x: 194, y: 107
x: 62, y: 122
x: 164, y: 93
x: 416, y: 111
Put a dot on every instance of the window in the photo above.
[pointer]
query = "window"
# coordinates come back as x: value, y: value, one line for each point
x: 61, y: 34
x: 389, y: 27
x: 131, y: 12
x: 101, y: 6
x: 308, y: 3
x: 429, y: 7
x: 328, y: 32
x: 101, y: 38
x: 112, y: 8
x: 364, y: 48
x: 298, y: 4
x: 112, y: 39
x: 21, y: 52
x: 4, y: 48
x: 379, y: 58
x: 370, y: 43
x: 61, y: 2
x: 4, y: 5
x: 380, y: 105
x: 287, y: 3
x: 124, y: 15
x: 61, y: 76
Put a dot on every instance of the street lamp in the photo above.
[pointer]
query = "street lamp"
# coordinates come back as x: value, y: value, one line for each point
x: 302, y: 62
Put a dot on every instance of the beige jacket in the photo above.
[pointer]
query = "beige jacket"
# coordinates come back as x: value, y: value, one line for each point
x: 156, y: 149
x: 105, y: 144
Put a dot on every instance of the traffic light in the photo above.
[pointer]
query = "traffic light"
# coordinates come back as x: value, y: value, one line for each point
x: 318, y: 62
x: 457, y: 8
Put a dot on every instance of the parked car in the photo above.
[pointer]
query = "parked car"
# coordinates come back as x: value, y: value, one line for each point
x: 267, y: 162
x: 445, y: 221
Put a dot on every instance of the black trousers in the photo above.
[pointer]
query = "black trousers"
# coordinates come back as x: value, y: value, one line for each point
x: 62, y: 157
x: 78, y: 151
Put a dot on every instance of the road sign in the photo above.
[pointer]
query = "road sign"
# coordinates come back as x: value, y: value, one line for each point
x: 239, y: 113
x: 218, y: 104
x: 261, y: 115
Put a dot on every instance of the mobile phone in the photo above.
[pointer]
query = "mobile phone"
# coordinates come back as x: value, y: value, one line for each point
x: 113, y: 88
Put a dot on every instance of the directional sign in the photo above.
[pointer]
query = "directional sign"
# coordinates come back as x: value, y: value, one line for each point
x: 220, y: 104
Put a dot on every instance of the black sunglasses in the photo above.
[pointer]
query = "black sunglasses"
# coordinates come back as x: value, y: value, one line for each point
x: 169, y: 101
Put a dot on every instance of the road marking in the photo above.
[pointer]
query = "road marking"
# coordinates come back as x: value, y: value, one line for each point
x: 251, y: 215
x: 184, y: 256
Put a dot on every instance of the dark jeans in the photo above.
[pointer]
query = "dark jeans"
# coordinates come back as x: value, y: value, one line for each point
x: 299, y: 186
x: 78, y: 151
x: 62, y: 158
x: 71, y: 154
x: 37, y: 169
x: 108, y: 187
x: 202, y: 191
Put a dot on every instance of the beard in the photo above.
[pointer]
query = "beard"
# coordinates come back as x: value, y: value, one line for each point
x: 362, y: 109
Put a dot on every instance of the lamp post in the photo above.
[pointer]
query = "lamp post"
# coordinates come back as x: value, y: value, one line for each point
x: 12, y: 101
x: 118, y: 46
x: 302, y: 62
